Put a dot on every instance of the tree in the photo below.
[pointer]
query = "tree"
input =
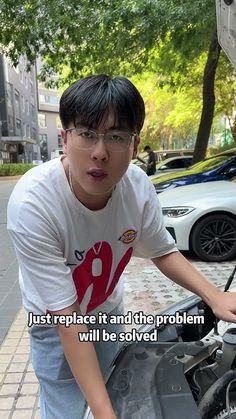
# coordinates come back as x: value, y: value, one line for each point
x: 105, y: 35
x: 208, y: 100
x: 225, y: 89
x: 79, y: 38
x: 169, y: 115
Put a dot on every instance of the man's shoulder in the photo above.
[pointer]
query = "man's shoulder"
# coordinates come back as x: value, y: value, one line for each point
x: 136, y: 180
x: 136, y: 173
x: 33, y: 190
x: 36, y: 175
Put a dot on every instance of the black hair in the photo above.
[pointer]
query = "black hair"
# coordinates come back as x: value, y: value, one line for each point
x: 147, y: 147
x: 88, y: 101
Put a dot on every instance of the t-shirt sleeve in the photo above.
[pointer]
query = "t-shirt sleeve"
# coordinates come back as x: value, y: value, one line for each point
x: 46, y: 279
x: 154, y: 239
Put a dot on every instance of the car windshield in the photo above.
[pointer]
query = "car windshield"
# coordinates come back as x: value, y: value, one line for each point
x: 200, y: 167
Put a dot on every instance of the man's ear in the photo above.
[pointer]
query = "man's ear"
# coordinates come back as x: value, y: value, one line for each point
x: 136, y: 144
x: 64, y: 140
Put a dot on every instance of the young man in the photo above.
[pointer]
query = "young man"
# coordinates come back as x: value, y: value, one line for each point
x: 151, y: 165
x: 75, y: 221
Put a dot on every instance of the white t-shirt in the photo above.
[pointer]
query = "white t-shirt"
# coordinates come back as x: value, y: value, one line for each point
x: 57, y: 239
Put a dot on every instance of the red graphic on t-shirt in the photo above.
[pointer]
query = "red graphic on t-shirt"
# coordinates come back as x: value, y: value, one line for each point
x: 83, y: 277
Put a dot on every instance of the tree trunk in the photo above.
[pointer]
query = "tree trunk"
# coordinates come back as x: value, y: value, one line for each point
x: 170, y: 141
x: 233, y: 129
x: 208, y: 100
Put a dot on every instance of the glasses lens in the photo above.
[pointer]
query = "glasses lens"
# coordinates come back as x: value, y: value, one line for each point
x: 118, y: 140
x: 115, y: 140
x: 84, y: 138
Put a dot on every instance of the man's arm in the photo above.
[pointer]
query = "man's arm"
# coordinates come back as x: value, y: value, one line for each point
x: 177, y: 268
x: 82, y: 359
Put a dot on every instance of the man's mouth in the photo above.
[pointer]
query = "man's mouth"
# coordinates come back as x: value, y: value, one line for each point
x: 98, y: 174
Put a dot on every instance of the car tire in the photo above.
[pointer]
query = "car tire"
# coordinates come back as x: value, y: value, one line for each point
x: 213, y: 238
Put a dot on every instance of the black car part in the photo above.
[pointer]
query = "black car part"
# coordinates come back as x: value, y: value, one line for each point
x: 189, y: 373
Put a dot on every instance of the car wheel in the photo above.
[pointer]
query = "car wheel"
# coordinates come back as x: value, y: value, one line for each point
x: 213, y: 238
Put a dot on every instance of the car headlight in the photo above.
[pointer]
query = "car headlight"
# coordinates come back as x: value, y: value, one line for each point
x: 176, y: 211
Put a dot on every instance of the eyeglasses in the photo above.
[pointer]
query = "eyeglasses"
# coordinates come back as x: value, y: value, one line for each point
x: 116, y: 141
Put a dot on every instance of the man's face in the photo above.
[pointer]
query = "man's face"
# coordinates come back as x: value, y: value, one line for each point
x: 97, y: 170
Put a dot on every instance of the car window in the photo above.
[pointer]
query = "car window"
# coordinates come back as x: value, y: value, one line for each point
x: 175, y: 164
x: 188, y: 162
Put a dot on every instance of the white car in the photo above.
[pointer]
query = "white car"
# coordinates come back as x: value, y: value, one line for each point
x: 202, y: 218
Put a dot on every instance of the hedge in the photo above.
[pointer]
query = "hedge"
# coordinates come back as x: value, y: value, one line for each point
x: 14, y: 169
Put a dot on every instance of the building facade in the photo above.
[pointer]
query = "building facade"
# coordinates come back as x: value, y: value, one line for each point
x: 48, y: 119
x: 19, y: 138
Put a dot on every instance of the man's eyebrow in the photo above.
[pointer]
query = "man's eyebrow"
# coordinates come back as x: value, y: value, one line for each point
x: 112, y: 128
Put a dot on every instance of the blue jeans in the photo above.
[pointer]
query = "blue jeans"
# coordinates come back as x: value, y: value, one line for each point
x: 60, y: 395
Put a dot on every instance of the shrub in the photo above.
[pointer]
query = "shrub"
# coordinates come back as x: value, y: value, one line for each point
x: 14, y: 169
x: 220, y: 149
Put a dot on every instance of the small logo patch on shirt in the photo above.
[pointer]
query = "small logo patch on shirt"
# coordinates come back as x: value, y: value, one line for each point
x: 128, y: 236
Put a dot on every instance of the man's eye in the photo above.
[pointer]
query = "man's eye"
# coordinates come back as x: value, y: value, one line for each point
x: 116, y: 138
x: 87, y: 134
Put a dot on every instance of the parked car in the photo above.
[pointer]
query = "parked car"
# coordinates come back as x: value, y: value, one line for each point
x: 173, y: 164
x: 202, y: 218
x: 218, y: 167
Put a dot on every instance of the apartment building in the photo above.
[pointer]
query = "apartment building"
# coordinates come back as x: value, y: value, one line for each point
x: 48, y: 119
x: 19, y: 140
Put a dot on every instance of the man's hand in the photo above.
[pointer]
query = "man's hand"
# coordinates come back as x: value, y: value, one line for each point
x: 177, y: 268
x: 224, y: 306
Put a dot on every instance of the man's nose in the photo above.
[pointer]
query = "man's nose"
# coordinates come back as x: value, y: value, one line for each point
x: 99, y: 150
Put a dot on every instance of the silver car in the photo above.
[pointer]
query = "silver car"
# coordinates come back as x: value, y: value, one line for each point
x: 202, y: 218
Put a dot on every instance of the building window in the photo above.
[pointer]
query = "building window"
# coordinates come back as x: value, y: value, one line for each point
x: 24, y: 130
x: 43, y: 141
x: 17, y: 101
x: 28, y: 131
x: 18, y: 126
x: 27, y: 107
x: 9, y: 95
x: 51, y: 100
x: 31, y: 87
x: 42, y: 98
x: 23, y: 103
x: 42, y: 120
x: 34, y: 133
x: 10, y: 122
x: 21, y: 76
x: 59, y: 141
x: 33, y: 114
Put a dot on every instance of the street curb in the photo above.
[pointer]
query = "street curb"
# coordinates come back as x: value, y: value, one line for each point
x: 10, y: 177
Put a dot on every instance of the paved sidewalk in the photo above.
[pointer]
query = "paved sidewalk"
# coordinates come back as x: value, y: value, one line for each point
x: 147, y: 290
x: 10, y: 298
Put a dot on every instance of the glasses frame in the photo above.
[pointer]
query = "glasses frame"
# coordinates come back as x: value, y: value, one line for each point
x: 131, y: 136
